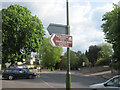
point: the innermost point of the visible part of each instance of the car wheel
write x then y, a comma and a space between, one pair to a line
10, 77
94, 89
30, 77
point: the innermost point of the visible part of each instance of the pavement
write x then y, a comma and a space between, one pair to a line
104, 74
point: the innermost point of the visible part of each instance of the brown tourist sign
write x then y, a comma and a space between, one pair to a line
61, 40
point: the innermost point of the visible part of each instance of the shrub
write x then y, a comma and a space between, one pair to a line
115, 65
102, 62
31, 68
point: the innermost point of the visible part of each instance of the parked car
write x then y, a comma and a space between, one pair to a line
13, 73
111, 84
19, 66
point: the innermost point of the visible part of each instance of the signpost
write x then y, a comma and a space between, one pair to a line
61, 40
119, 3
57, 28
68, 75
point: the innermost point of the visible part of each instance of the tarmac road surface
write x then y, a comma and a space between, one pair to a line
53, 80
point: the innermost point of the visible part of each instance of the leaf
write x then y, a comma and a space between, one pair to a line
19, 32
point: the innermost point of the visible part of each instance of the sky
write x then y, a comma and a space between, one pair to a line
85, 18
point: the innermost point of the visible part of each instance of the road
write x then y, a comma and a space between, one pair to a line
53, 80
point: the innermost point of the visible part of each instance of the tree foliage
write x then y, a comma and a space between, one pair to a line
21, 33
111, 29
0, 37
81, 58
0, 47
73, 60
50, 55
93, 54
106, 51
76, 59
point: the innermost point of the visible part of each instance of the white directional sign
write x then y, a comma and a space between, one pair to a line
57, 28
61, 40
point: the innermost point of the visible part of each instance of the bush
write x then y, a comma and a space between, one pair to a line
3, 66
51, 69
31, 68
115, 65
35, 67
102, 62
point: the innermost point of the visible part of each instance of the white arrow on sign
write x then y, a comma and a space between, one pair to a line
51, 40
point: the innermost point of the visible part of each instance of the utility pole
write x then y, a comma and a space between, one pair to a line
68, 75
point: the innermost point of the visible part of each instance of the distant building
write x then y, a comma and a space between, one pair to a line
32, 60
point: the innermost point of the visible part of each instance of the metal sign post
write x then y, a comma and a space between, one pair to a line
63, 41
68, 75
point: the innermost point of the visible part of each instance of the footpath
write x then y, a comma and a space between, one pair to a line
105, 74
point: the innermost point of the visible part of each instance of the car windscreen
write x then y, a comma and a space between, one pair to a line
11, 67
8, 70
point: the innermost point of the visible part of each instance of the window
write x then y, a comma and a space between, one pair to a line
113, 82
16, 71
21, 71
8, 71
119, 82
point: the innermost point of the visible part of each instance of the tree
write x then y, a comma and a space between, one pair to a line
0, 37
50, 55
93, 54
73, 60
22, 33
0, 47
106, 50
81, 58
112, 31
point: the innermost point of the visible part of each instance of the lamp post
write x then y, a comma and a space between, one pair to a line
68, 75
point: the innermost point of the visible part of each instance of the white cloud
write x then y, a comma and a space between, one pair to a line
77, 12
119, 3
85, 18
86, 25
50, 11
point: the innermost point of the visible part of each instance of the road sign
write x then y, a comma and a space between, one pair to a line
61, 40
57, 28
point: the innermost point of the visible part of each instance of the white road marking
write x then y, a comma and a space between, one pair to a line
47, 84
